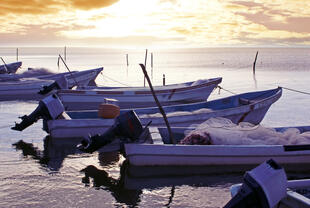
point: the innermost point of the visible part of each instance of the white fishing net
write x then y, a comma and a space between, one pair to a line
223, 131
177, 113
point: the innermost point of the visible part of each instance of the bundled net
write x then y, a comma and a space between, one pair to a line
219, 131
177, 113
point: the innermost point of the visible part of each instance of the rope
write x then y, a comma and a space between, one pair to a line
221, 88
306, 93
114, 80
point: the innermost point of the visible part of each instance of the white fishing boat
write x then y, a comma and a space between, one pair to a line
40, 73
267, 186
297, 195
29, 88
250, 107
139, 97
10, 68
163, 153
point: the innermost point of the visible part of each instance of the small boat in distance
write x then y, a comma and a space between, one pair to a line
138, 97
10, 68
29, 88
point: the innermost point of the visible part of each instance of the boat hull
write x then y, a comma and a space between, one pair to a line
10, 68
160, 153
138, 97
193, 155
28, 88
80, 125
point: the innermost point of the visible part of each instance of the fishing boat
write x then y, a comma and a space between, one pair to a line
161, 152
267, 186
29, 88
297, 194
40, 73
250, 107
10, 68
139, 97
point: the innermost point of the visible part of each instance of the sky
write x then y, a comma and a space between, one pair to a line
155, 23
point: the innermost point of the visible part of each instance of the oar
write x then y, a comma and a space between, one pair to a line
172, 140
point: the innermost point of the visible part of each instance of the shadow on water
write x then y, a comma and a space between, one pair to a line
56, 150
132, 180
128, 187
102, 180
54, 153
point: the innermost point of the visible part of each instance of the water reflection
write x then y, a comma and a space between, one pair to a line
128, 188
255, 81
54, 153
101, 179
108, 158
29, 150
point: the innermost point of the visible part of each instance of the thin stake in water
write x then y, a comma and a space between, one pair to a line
172, 140
255, 62
152, 66
127, 62
16, 54
65, 53
145, 65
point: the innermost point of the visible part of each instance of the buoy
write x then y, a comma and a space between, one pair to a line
107, 110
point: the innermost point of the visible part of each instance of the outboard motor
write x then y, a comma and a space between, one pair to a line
61, 83
263, 187
126, 125
48, 108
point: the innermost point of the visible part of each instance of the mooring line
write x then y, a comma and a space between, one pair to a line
302, 92
114, 80
221, 88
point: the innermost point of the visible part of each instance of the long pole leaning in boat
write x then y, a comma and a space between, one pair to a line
77, 84
5, 66
172, 140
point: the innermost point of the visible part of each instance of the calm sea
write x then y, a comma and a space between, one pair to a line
49, 174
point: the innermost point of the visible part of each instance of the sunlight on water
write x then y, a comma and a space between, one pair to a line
48, 173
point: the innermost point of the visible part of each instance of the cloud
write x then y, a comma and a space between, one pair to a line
273, 16
137, 22
273, 41
35, 7
28, 7
91, 4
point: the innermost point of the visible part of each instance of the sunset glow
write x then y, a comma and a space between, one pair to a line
155, 23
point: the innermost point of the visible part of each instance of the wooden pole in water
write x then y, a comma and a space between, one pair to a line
127, 62
16, 54
172, 140
145, 65
255, 62
152, 66
164, 80
65, 53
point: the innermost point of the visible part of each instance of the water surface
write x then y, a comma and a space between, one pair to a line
45, 172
